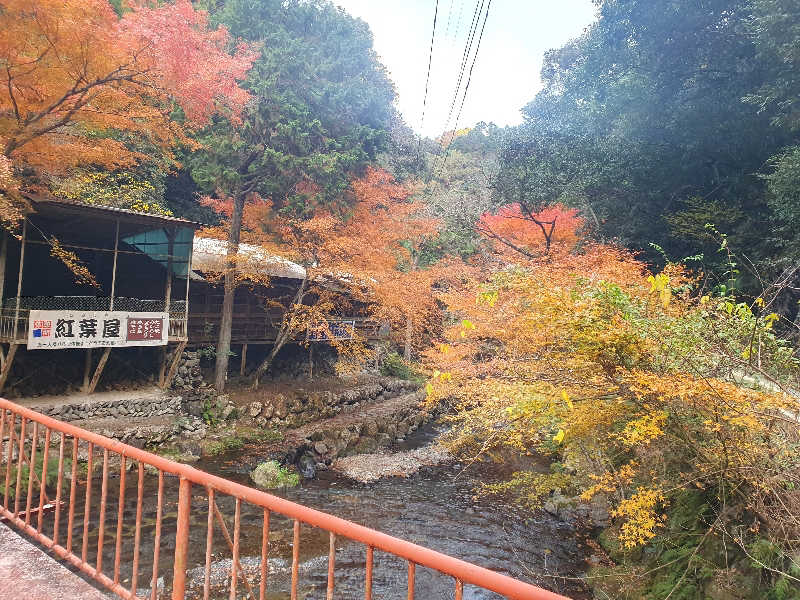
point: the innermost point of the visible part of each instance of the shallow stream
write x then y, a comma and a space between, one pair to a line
435, 508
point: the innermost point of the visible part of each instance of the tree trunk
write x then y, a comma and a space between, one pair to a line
409, 337
284, 333
226, 322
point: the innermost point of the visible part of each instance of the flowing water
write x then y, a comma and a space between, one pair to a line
435, 508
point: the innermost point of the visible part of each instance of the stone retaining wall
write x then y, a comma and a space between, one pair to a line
284, 412
370, 435
188, 375
119, 408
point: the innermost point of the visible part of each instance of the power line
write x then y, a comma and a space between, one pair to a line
465, 57
458, 21
449, 18
430, 61
466, 87
474, 59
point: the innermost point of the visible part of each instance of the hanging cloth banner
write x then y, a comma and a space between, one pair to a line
59, 329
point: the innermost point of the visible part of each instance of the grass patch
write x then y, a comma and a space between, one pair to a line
174, 454
395, 365
51, 477
255, 434
221, 446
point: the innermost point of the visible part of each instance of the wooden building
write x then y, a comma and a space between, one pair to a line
257, 310
141, 267
149, 271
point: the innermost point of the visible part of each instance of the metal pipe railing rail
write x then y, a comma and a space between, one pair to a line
21, 432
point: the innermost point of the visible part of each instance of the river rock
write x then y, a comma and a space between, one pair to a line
281, 407
320, 448
266, 474
366, 445
307, 466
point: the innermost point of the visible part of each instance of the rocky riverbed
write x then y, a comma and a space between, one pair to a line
367, 468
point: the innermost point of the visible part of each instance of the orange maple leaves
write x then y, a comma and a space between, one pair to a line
78, 79
374, 249
512, 229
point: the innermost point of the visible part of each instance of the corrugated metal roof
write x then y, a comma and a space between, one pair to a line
110, 210
209, 257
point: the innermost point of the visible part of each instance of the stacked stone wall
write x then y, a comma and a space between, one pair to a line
282, 412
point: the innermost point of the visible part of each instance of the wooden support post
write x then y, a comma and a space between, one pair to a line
114, 268
242, 367
168, 285
12, 350
19, 278
98, 371
188, 278
176, 358
3, 260
87, 370
162, 370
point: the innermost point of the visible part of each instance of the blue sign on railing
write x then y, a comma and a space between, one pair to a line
326, 331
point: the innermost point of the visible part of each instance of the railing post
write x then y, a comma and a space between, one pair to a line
182, 540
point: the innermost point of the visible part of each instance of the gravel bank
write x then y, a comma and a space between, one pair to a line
367, 468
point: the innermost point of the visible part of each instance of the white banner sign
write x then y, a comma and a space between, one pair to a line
58, 329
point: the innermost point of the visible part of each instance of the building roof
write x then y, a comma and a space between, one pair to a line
60, 206
209, 256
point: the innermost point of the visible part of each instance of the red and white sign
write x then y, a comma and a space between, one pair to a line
59, 329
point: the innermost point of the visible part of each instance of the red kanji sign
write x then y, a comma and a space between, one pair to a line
140, 330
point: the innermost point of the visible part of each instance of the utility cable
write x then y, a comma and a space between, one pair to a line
430, 61
465, 58
466, 87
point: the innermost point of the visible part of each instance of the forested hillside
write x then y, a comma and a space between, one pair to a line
665, 117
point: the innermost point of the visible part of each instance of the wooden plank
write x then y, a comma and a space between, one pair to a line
162, 371
12, 351
15, 332
3, 260
99, 371
168, 283
87, 370
176, 358
114, 268
243, 366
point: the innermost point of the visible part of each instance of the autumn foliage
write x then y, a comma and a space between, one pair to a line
364, 258
649, 398
512, 230
78, 79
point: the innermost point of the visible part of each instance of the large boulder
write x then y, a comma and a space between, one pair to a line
307, 465
270, 475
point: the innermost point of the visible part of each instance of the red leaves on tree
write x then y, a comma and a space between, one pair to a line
78, 79
188, 59
513, 229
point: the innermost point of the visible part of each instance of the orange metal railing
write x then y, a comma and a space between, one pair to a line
28, 438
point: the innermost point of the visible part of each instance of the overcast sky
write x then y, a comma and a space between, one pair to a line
506, 75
